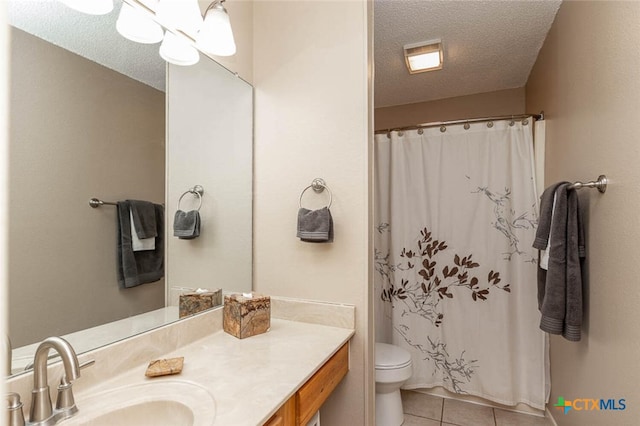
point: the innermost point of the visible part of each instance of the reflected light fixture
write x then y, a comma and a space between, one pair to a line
92, 7
423, 56
134, 25
177, 50
216, 36
142, 21
183, 15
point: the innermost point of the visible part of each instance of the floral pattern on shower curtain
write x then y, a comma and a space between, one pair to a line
455, 281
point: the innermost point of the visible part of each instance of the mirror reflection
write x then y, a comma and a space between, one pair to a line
83, 128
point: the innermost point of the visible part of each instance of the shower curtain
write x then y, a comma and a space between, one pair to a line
456, 212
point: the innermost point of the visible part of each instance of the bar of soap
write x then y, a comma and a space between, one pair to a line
165, 367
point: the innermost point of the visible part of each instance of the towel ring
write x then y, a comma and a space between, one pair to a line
196, 190
318, 185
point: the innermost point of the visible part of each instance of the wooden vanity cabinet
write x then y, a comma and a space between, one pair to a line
301, 407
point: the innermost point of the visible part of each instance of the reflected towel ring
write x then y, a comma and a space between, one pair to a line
196, 190
318, 186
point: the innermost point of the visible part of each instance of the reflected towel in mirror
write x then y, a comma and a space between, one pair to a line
144, 218
186, 225
140, 267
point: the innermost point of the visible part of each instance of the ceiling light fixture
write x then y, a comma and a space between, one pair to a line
216, 36
424, 56
94, 7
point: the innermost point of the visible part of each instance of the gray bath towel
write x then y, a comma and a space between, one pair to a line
560, 287
144, 218
140, 267
546, 211
186, 225
315, 226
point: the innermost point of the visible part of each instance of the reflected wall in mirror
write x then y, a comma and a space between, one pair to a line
80, 130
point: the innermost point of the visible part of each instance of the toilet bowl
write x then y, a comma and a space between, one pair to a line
393, 368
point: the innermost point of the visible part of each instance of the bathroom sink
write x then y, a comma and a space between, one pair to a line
155, 402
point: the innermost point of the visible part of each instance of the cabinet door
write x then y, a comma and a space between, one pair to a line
285, 416
318, 388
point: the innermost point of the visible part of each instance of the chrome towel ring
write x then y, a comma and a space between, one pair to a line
197, 190
318, 185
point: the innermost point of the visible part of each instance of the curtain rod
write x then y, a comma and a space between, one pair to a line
469, 120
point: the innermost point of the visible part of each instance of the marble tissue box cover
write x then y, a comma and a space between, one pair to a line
246, 316
194, 302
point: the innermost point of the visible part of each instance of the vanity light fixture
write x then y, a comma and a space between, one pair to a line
178, 51
134, 25
93, 7
183, 15
185, 19
424, 56
142, 21
216, 36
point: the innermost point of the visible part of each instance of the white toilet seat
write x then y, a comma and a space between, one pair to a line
390, 357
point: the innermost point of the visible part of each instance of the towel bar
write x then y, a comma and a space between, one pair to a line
95, 203
600, 184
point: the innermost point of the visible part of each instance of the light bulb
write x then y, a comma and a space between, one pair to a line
216, 36
136, 26
183, 15
177, 50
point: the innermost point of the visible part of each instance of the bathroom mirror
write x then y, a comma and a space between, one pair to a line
120, 125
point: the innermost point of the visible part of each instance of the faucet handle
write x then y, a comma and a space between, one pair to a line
65, 400
16, 416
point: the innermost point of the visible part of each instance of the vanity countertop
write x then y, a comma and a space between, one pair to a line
249, 378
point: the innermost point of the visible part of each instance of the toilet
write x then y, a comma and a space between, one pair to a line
393, 368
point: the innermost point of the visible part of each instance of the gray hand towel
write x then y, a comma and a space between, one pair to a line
140, 267
186, 225
560, 287
144, 218
315, 226
546, 212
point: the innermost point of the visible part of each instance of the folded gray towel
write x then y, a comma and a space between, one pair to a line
546, 212
560, 287
144, 218
315, 226
140, 267
186, 225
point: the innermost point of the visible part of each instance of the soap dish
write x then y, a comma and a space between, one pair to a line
165, 367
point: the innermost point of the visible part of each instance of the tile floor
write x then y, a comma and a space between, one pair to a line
427, 410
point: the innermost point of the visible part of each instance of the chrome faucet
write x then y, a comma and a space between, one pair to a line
41, 412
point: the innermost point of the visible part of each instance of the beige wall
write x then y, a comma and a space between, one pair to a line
501, 102
78, 130
312, 120
587, 81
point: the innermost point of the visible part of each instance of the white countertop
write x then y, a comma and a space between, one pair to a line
249, 378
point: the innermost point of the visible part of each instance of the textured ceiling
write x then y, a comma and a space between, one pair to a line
488, 45
94, 37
